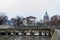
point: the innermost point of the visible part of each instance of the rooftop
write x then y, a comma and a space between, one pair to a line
31, 17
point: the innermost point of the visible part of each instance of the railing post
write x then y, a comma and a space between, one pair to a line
39, 33
31, 33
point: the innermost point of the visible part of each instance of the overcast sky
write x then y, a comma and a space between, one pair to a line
25, 8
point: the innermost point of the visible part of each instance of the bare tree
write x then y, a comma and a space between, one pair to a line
17, 20
3, 18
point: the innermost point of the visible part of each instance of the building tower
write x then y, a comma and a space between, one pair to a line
46, 17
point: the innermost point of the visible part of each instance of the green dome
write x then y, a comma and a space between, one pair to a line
46, 16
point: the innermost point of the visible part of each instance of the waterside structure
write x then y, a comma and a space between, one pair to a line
27, 27
6, 30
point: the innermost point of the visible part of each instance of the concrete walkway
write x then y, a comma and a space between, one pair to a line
56, 35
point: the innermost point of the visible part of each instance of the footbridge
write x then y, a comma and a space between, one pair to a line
6, 30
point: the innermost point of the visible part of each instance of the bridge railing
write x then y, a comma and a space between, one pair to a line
5, 26
25, 27
32, 27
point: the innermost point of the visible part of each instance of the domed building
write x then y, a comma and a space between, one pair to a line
46, 17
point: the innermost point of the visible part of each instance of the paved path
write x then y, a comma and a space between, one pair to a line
56, 35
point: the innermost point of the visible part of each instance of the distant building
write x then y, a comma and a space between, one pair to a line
46, 17
9, 22
55, 17
31, 20
24, 21
55, 20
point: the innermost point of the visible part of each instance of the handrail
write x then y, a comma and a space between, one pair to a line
25, 27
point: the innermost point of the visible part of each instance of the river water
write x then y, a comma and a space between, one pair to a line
24, 38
